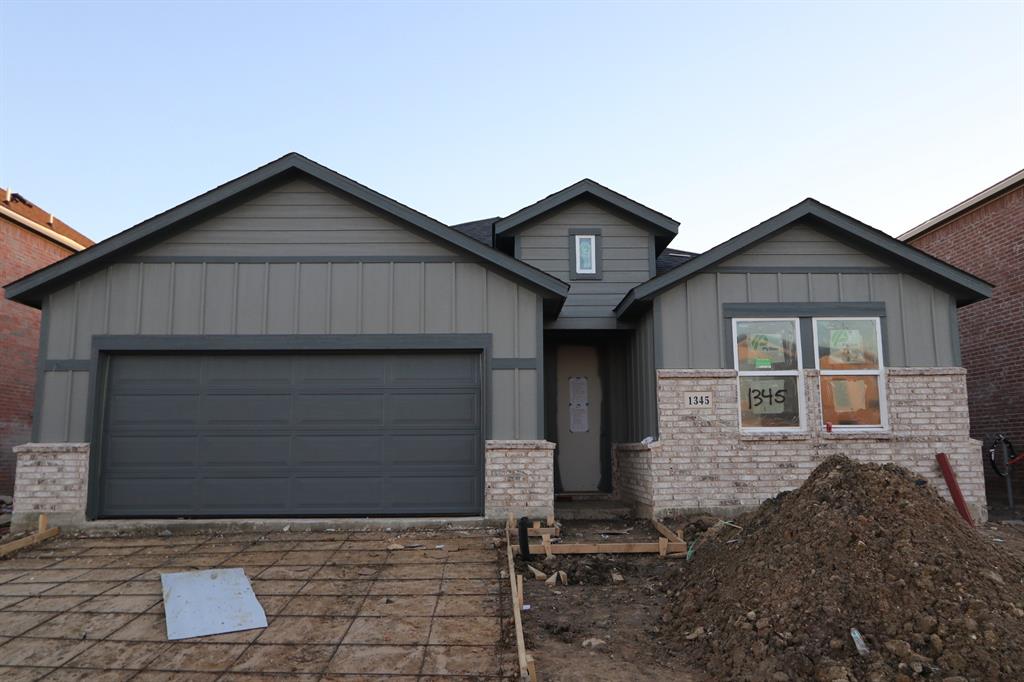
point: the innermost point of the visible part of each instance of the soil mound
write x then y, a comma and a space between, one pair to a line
857, 546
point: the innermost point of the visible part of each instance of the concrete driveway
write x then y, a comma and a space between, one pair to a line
341, 605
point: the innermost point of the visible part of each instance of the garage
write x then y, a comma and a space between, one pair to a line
290, 434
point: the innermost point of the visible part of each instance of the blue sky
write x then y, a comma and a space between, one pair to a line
718, 114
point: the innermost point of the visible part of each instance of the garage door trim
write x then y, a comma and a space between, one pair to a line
105, 346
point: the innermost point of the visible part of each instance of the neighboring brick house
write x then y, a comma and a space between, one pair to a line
295, 344
30, 238
985, 236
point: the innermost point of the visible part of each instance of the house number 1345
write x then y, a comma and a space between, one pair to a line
697, 399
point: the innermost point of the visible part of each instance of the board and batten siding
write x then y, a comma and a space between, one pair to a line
792, 267
634, 413
172, 288
626, 252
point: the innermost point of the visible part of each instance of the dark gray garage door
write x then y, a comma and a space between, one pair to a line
292, 435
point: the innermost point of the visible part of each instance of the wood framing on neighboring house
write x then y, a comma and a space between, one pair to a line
293, 343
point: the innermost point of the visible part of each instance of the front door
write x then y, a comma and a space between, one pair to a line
579, 418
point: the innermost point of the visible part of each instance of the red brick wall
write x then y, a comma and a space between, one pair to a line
21, 252
989, 242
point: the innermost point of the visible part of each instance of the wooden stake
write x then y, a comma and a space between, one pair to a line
531, 668
663, 546
551, 519
546, 544
517, 615
42, 523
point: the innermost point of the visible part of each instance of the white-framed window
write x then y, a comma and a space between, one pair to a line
848, 354
766, 352
586, 254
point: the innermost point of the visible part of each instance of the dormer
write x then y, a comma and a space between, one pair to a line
599, 241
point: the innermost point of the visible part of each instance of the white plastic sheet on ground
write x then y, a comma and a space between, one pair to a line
199, 603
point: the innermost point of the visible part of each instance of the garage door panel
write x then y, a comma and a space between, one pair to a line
253, 410
324, 495
148, 452
340, 410
434, 411
292, 434
254, 371
148, 496
245, 451
425, 493
432, 450
252, 495
338, 450
165, 369
162, 412
442, 370
341, 371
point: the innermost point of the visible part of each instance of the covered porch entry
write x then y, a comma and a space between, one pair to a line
596, 388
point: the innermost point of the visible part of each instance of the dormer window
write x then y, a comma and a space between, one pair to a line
585, 257
585, 246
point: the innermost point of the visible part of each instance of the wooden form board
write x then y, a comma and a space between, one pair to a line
43, 533
610, 548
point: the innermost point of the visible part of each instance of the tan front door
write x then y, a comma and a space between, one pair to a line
579, 418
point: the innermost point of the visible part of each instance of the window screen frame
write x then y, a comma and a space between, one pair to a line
797, 373
878, 372
575, 235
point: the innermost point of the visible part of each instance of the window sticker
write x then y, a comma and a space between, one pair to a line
846, 346
586, 254
579, 405
767, 348
849, 395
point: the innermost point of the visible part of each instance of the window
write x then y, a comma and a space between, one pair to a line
767, 356
586, 254
848, 352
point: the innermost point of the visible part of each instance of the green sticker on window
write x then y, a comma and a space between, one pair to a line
762, 363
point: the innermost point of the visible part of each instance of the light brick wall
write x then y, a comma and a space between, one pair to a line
519, 478
633, 478
52, 478
703, 461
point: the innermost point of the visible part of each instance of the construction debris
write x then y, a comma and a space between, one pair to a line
861, 546
200, 603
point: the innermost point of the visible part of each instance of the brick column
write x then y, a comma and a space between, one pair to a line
52, 478
519, 478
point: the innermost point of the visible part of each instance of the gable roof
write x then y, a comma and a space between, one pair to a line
662, 225
984, 196
966, 287
31, 288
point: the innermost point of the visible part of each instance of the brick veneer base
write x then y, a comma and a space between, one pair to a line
52, 478
519, 478
703, 462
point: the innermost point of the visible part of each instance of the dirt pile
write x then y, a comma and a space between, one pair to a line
857, 546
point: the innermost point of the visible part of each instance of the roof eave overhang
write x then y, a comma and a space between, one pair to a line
31, 289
